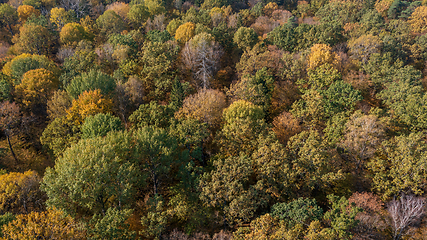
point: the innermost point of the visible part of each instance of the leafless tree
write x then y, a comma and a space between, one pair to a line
406, 211
201, 54
10, 116
80, 7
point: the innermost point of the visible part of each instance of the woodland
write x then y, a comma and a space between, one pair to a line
215, 119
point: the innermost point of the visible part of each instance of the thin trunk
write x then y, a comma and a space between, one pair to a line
11, 149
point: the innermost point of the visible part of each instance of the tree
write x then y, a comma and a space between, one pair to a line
92, 176
58, 104
154, 153
285, 126
111, 226
88, 103
48, 224
159, 68
312, 165
151, 114
205, 106
36, 87
155, 7
120, 8
342, 217
244, 123
418, 20
25, 11
245, 38
185, 32
60, 17
10, 116
300, 211
60, 134
321, 54
256, 89
71, 34
225, 188
20, 193
283, 37
109, 22
8, 17
99, 125
202, 54
21, 64
91, 81
34, 39
404, 212
138, 14
400, 166
79, 7
363, 47
362, 136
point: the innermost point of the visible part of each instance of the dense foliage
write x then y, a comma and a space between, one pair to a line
213, 119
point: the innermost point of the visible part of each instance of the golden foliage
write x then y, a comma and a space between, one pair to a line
19, 192
50, 224
89, 103
36, 86
71, 34
382, 6
25, 11
321, 54
418, 20
185, 32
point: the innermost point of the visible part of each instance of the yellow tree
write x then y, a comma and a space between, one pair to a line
59, 17
20, 193
185, 32
36, 86
321, 54
25, 11
50, 224
418, 20
71, 34
89, 103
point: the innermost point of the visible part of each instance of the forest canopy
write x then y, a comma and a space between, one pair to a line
213, 119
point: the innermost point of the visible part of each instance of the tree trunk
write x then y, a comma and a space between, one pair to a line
11, 149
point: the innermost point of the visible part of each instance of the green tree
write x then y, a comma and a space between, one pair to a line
159, 69
154, 153
299, 211
151, 114
256, 89
99, 125
138, 14
109, 22
399, 166
342, 217
245, 38
35, 39
111, 225
59, 135
8, 17
92, 80
25, 62
313, 166
90, 177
